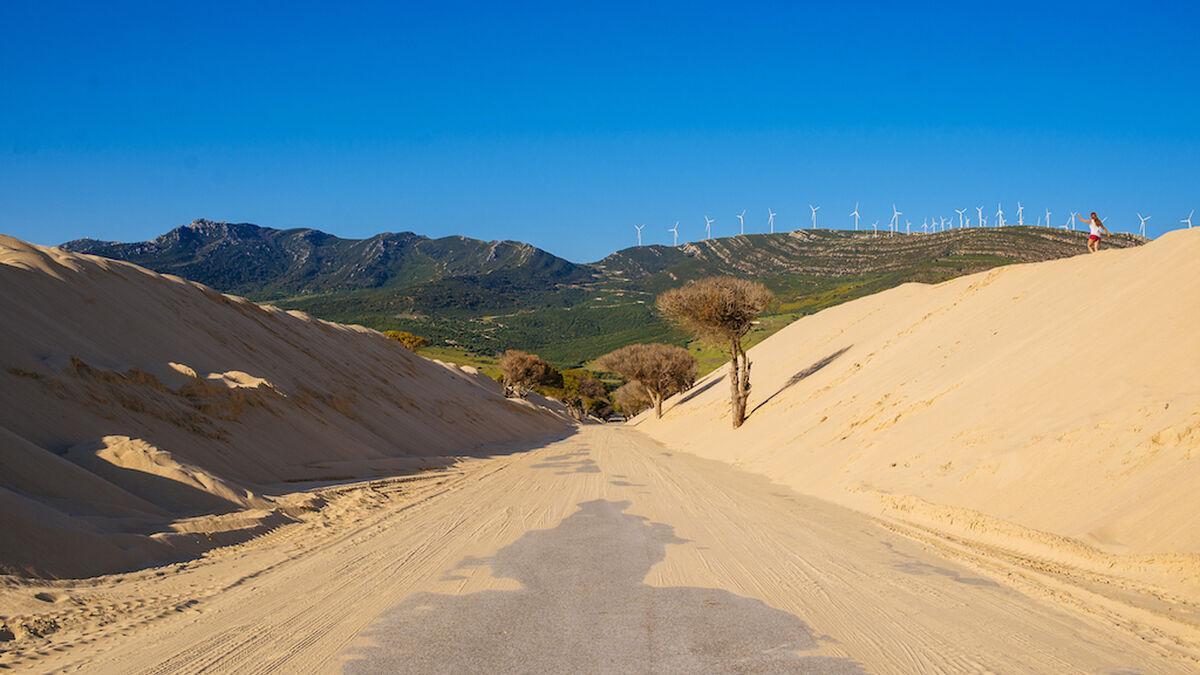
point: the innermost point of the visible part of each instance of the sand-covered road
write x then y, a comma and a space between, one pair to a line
601, 552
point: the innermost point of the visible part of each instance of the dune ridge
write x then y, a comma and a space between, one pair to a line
132, 401
1049, 409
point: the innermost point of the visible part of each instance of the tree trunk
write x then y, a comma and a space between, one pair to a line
739, 382
658, 399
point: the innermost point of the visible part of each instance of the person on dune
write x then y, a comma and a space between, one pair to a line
1097, 226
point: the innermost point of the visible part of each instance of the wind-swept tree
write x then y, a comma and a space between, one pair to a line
660, 369
523, 371
721, 310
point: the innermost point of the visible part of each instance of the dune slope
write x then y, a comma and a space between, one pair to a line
1054, 403
133, 404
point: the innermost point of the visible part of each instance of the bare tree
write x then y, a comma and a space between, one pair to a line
721, 310
523, 371
661, 369
631, 398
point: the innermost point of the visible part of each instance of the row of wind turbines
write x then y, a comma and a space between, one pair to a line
935, 224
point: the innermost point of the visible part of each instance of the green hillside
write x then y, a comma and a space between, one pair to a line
473, 299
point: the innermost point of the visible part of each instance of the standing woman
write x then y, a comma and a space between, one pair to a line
1096, 227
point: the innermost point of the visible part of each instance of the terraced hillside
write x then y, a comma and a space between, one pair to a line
477, 298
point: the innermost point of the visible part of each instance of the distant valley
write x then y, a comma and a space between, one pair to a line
473, 298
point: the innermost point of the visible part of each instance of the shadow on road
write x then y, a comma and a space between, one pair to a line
583, 607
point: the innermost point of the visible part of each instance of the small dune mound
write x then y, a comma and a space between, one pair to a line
155, 476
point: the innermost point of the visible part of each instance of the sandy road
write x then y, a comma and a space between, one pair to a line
603, 552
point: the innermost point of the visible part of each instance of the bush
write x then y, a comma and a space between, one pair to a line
661, 370
408, 340
631, 398
583, 394
522, 371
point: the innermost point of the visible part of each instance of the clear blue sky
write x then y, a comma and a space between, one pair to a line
564, 123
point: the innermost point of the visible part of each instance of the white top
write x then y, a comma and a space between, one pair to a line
1095, 228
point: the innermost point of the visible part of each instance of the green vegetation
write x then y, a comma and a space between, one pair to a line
473, 300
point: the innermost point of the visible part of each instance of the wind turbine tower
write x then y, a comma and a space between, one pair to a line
907, 226
875, 229
639, 230
814, 210
742, 221
1144, 220
855, 214
771, 220
896, 213
999, 215
1047, 217
708, 222
979, 212
960, 213
1020, 213
675, 231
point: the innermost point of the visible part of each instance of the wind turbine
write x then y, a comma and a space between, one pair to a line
708, 222
875, 229
675, 231
907, 226
1071, 221
1188, 221
960, 213
771, 220
925, 225
639, 229
982, 221
814, 210
1020, 213
742, 221
1144, 219
943, 223
896, 218
999, 215
1047, 217
855, 214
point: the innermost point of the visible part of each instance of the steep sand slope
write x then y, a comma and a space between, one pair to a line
133, 404
1025, 404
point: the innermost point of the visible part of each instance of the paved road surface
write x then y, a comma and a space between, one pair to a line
603, 552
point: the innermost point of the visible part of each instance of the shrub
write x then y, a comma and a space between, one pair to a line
523, 371
631, 398
583, 393
661, 370
406, 339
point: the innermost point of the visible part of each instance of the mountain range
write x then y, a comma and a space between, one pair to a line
482, 297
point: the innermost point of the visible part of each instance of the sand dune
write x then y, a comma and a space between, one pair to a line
1050, 409
131, 400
